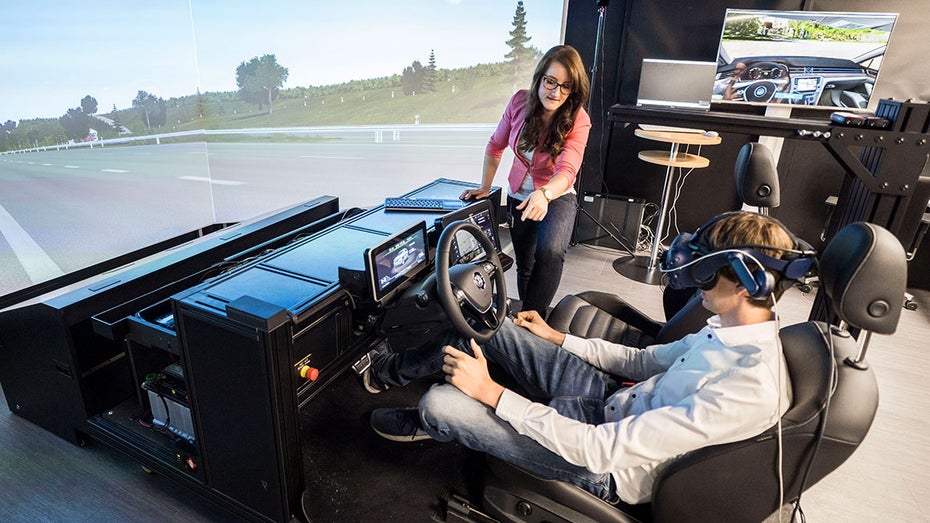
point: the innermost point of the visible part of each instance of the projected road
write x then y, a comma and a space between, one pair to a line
64, 210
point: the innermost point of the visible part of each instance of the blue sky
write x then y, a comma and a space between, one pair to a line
56, 52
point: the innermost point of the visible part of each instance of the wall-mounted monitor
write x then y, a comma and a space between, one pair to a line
801, 58
396, 261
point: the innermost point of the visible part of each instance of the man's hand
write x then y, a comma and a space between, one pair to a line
471, 375
533, 322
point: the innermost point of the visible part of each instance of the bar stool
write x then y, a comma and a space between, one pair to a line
641, 268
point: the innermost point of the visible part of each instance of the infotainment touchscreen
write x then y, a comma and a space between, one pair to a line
397, 260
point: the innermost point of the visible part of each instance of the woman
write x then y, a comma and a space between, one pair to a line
547, 128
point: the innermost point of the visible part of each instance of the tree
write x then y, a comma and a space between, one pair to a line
412, 78
33, 135
159, 116
145, 103
520, 56
244, 73
89, 105
75, 123
429, 74
154, 109
6, 129
260, 79
742, 29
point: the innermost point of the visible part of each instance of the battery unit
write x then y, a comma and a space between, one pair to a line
168, 413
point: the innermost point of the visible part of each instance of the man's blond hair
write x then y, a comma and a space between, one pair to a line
756, 231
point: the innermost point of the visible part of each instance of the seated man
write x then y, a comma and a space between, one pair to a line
722, 384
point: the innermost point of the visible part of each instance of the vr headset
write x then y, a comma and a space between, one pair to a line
692, 262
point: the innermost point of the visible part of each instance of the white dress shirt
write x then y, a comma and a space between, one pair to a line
720, 385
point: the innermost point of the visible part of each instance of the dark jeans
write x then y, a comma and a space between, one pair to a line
539, 250
546, 372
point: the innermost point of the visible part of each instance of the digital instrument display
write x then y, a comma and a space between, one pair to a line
465, 247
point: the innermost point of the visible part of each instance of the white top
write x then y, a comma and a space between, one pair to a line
719, 385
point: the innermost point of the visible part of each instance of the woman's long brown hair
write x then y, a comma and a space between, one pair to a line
564, 118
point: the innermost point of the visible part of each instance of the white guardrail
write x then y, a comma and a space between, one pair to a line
378, 133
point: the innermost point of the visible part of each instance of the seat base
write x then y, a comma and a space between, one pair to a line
637, 268
514, 495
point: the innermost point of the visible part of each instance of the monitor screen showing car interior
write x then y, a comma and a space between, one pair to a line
804, 58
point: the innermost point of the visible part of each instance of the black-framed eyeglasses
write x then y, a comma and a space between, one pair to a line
549, 83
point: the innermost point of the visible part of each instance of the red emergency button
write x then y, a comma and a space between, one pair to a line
310, 373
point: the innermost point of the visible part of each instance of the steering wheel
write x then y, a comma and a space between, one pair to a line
466, 289
760, 91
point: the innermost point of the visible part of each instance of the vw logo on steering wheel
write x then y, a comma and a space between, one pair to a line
479, 281
760, 91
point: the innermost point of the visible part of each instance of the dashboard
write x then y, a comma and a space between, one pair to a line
809, 81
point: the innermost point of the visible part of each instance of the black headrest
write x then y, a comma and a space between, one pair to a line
864, 272
756, 176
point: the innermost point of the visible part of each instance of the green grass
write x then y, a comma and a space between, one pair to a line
475, 99
482, 101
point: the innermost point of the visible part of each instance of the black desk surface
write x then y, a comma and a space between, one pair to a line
296, 275
802, 128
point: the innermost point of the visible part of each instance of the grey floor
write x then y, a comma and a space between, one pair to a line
43, 478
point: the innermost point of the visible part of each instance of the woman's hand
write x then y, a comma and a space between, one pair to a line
470, 374
535, 207
475, 194
533, 322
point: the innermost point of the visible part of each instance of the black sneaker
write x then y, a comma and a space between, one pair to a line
398, 424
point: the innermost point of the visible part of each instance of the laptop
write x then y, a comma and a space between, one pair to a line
675, 84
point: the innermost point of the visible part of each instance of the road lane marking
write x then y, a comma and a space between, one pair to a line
117, 171
210, 180
334, 157
71, 167
36, 262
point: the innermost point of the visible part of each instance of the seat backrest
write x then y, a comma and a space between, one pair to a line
860, 271
757, 177
594, 314
745, 484
690, 318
